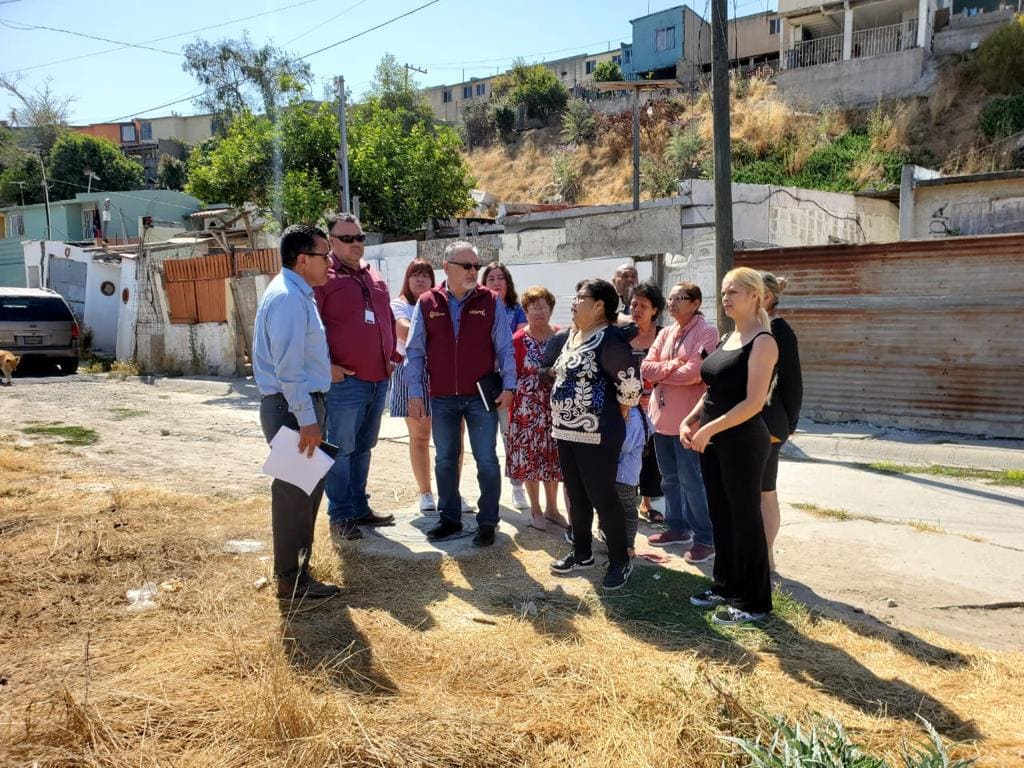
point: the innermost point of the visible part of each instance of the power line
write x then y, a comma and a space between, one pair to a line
30, 27
122, 46
371, 29
324, 22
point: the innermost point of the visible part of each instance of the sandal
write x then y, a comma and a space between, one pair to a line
654, 517
557, 519
538, 521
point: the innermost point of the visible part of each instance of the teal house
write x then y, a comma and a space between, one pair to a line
674, 42
117, 215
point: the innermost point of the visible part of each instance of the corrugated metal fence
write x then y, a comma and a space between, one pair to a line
918, 334
196, 291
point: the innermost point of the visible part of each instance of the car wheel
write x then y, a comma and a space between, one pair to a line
68, 366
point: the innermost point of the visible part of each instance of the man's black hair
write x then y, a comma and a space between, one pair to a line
298, 238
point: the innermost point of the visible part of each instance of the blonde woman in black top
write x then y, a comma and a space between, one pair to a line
734, 445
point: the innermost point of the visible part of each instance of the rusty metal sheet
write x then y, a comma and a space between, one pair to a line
919, 334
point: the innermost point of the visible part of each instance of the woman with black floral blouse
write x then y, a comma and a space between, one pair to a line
596, 383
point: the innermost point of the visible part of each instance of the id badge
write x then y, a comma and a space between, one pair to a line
369, 317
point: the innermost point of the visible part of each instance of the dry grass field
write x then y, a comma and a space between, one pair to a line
482, 661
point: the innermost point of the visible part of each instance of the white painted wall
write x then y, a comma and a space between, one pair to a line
204, 348
101, 312
128, 316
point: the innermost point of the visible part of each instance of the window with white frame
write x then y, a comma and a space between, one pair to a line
467, 91
774, 26
617, 59
446, 96
591, 65
481, 89
665, 38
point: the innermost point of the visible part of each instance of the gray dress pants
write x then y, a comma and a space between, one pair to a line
292, 512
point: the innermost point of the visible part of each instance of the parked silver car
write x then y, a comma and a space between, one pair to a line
38, 323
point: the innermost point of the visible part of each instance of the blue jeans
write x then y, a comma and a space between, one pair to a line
447, 414
354, 409
686, 504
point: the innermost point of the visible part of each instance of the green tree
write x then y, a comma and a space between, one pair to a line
240, 167
403, 177
22, 182
240, 77
1000, 58
534, 86
607, 71
170, 173
75, 153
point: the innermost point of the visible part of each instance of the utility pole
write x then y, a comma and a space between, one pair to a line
636, 148
414, 69
339, 84
46, 194
722, 148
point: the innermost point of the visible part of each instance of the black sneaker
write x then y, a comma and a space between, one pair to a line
372, 518
571, 563
443, 530
707, 599
484, 536
617, 575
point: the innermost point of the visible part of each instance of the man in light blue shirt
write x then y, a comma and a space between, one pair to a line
293, 371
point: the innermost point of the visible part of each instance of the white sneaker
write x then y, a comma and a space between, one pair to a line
466, 506
519, 500
427, 503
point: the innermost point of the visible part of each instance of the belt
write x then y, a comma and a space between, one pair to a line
313, 395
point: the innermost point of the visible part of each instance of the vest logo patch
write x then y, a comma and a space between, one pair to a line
436, 314
480, 312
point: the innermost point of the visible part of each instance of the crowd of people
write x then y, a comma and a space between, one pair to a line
623, 407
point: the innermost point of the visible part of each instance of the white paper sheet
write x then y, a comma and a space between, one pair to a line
286, 463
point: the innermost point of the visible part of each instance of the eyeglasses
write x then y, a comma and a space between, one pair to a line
349, 239
672, 299
467, 267
578, 299
324, 256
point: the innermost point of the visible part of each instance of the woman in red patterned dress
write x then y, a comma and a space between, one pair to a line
532, 451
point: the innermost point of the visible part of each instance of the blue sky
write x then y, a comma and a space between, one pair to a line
450, 39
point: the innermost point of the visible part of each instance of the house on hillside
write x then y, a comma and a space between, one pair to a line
120, 217
146, 141
852, 53
673, 43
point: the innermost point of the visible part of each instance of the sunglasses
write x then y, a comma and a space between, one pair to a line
349, 239
467, 267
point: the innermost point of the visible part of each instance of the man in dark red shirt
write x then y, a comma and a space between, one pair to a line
356, 310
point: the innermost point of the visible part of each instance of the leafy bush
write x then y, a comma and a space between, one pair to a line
828, 744
578, 123
503, 117
683, 151
1003, 116
536, 87
1000, 58
607, 71
170, 174
567, 177
657, 177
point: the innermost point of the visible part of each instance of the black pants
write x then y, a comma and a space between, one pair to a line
650, 474
589, 475
292, 512
732, 466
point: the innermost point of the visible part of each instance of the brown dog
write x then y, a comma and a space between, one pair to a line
8, 362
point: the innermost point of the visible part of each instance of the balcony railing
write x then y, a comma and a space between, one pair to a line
879, 41
811, 53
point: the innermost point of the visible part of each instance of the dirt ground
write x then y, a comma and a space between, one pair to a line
203, 436
471, 659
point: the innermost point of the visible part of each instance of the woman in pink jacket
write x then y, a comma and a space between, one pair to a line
673, 365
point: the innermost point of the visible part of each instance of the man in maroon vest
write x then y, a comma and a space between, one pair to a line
459, 334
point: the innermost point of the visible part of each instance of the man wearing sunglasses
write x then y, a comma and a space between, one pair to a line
293, 371
459, 333
356, 309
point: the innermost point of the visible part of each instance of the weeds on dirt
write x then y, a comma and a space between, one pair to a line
68, 434
1008, 477
398, 671
919, 525
120, 414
